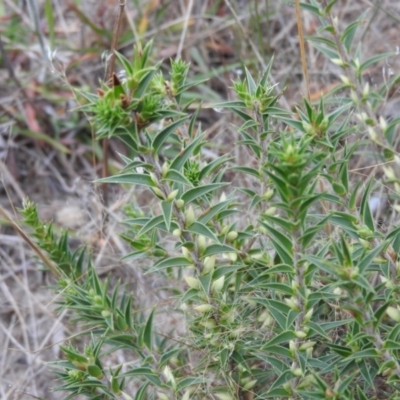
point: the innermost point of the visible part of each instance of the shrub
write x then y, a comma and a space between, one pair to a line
287, 285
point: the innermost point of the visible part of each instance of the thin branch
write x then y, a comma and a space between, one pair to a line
32, 245
114, 45
302, 48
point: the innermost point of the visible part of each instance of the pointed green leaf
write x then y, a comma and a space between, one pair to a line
191, 84
248, 171
251, 85
125, 63
365, 210
218, 249
144, 82
367, 353
242, 114
212, 166
318, 330
205, 282
220, 271
375, 59
212, 211
312, 9
279, 237
151, 224
170, 262
347, 36
327, 52
148, 373
166, 207
141, 393
136, 179
193, 194
278, 287
186, 382
175, 176
184, 155
167, 355
230, 104
282, 222
201, 229
283, 337
148, 330
367, 259
163, 135
322, 264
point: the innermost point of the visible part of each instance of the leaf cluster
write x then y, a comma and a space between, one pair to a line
292, 292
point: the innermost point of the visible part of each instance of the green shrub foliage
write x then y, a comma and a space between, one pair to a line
287, 286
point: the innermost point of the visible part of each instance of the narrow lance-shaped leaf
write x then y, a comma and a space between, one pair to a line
148, 330
367, 259
152, 223
170, 262
163, 135
136, 179
212, 166
212, 211
365, 209
282, 239
195, 193
218, 249
375, 59
347, 36
201, 229
251, 85
175, 176
183, 156
281, 338
141, 393
144, 82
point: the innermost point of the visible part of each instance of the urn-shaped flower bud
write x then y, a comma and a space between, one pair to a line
179, 203
189, 217
231, 236
232, 256
172, 195
192, 282
186, 254
218, 284
224, 396
307, 345
201, 244
208, 323
209, 264
153, 178
270, 211
268, 194
203, 308
300, 334
250, 385
297, 372
177, 232
164, 170
308, 316
393, 313
365, 90
95, 371
158, 192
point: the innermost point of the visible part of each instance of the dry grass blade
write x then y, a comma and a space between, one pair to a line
302, 48
111, 67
